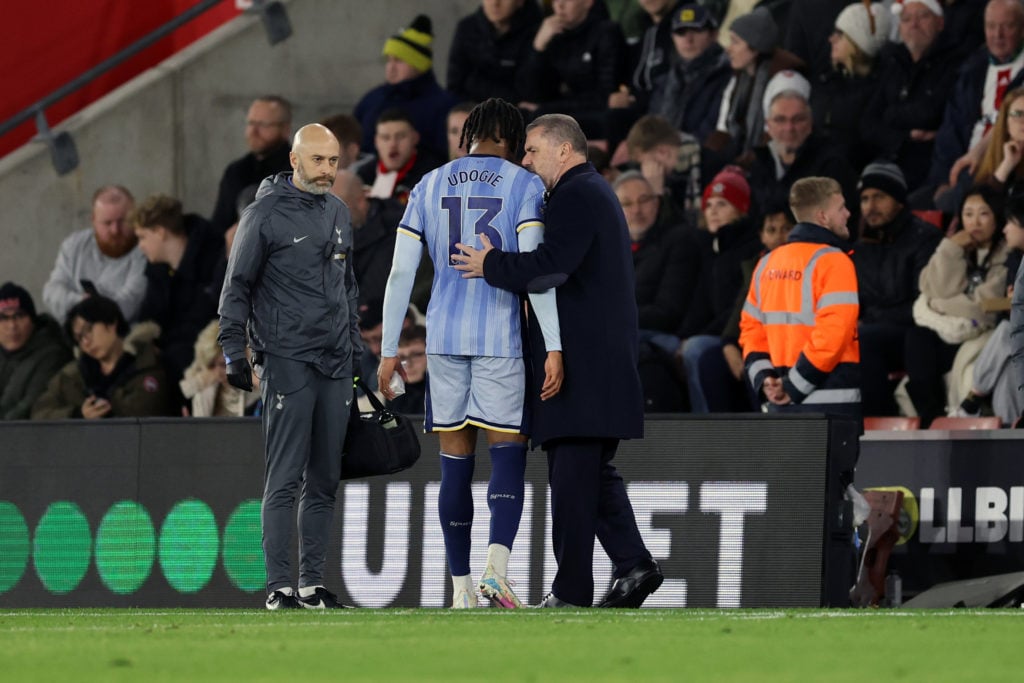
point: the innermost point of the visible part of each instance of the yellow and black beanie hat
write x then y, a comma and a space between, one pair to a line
412, 45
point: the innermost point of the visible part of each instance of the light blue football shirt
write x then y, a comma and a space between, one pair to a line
477, 194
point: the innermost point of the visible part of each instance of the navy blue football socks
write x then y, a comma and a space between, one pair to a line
455, 508
505, 491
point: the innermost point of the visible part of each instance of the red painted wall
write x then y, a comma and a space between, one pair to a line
48, 44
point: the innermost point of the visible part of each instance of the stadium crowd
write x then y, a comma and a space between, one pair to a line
701, 116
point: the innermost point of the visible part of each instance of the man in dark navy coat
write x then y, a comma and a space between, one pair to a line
586, 254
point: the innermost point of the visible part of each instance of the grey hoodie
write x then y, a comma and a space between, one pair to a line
290, 279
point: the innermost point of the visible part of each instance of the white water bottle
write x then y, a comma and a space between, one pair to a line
397, 385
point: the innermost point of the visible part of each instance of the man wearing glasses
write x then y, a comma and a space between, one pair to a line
268, 127
794, 151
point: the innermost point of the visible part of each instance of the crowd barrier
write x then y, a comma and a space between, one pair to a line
741, 511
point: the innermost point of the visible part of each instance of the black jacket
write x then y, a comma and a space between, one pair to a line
810, 25
818, 157
374, 249
721, 276
586, 253
239, 175
183, 301
483, 64
910, 95
839, 101
889, 264
692, 93
666, 264
422, 98
577, 70
653, 61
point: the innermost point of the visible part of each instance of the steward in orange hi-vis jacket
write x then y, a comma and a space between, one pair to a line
798, 329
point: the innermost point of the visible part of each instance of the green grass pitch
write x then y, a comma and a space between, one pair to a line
760, 646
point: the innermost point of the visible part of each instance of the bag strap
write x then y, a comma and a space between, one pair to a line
372, 397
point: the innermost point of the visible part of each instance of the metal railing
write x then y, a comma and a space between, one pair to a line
62, 147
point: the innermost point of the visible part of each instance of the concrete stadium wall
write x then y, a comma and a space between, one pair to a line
175, 127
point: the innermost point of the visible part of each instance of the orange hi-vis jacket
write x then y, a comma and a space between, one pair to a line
799, 322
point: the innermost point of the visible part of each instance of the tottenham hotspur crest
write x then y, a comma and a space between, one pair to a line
280, 401
337, 231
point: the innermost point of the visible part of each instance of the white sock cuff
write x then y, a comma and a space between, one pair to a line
497, 558
463, 583
306, 591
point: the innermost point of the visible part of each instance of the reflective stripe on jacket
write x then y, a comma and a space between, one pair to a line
799, 322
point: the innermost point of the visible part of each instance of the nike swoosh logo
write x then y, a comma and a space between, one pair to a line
296, 240
348, 402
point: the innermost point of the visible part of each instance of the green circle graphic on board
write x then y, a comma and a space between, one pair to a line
13, 545
125, 547
243, 547
63, 544
188, 545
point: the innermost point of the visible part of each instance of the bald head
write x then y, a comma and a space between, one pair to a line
314, 158
349, 188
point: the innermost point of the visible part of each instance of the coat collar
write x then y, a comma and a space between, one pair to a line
577, 170
811, 232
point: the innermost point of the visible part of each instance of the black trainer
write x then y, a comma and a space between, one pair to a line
281, 600
321, 599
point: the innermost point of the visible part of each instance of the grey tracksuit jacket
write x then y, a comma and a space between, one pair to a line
290, 280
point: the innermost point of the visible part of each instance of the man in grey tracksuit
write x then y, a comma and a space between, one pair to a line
290, 280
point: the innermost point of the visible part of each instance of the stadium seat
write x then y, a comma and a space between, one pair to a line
932, 216
891, 424
951, 423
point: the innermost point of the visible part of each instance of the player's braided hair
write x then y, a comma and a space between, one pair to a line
495, 119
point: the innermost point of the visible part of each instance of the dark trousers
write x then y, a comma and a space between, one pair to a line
305, 418
588, 499
881, 353
928, 358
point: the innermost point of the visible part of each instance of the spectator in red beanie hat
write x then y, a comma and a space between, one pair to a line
731, 185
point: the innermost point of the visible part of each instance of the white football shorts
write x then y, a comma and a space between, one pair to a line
484, 391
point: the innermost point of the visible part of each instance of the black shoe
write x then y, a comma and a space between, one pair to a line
552, 601
632, 589
282, 600
321, 599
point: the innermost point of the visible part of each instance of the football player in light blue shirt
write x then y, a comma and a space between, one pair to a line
476, 375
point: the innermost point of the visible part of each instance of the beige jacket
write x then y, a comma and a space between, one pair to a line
944, 282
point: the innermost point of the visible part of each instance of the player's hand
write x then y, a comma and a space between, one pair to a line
388, 366
240, 374
471, 261
553, 375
